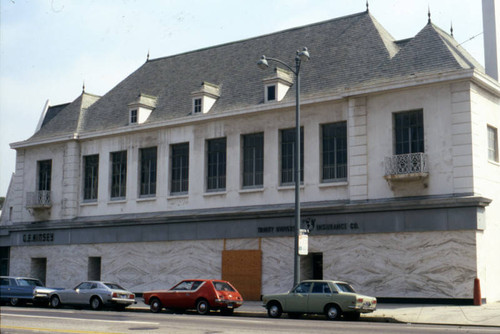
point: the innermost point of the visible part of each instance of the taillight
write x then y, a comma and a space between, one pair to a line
115, 295
132, 296
360, 300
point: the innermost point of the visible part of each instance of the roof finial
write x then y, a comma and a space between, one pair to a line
429, 13
367, 6
83, 87
451, 28
147, 56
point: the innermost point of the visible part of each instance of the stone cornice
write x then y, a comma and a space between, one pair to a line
254, 212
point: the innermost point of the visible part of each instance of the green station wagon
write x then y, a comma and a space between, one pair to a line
331, 298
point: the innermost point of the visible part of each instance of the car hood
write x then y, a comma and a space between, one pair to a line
42, 289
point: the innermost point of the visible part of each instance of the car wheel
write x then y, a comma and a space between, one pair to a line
274, 310
155, 305
14, 302
227, 311
95, 303
55, 302
332, 312
202, 307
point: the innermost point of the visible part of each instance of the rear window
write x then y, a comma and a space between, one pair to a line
29, 282
345, 287
222, 286
113, 286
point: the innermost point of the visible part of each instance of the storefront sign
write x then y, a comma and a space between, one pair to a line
38, 237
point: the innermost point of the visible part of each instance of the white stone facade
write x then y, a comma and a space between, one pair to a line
422, 237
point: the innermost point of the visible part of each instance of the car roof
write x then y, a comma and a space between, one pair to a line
323, 280
20, 277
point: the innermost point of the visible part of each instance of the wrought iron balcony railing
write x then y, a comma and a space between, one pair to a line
401, 165
38, 199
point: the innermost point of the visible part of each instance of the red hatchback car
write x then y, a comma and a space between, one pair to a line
202, 295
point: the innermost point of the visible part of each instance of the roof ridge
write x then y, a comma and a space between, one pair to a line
260, 36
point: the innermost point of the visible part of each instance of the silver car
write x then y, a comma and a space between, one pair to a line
95, 294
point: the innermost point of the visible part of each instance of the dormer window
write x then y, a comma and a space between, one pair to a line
133, 116
205, 98
197, 103
141, 108
271, 93
277, 86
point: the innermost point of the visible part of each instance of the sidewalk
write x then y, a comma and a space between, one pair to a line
485, 315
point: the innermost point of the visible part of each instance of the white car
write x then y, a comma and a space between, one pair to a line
94, 294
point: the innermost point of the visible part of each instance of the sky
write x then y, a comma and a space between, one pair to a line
49, 49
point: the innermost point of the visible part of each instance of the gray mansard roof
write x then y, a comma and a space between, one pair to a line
346, 52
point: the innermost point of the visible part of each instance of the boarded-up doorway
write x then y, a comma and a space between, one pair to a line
243, 268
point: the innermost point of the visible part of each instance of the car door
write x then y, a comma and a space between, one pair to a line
6, 288
321, 294
296, 300
81, 294
179, 295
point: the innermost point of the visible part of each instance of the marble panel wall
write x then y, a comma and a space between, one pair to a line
411, 265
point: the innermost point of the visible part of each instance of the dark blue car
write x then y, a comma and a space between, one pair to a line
19, 290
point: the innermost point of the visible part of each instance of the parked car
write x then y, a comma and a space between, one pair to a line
20, 290
201, 295
331, 298
94, 294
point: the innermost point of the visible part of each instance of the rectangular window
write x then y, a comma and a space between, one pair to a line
334, 153
133, 116
148, 171
253, 160
492, 144
90, 179
288, 156
179, 182
271, 93
44, 175
409, 132
118, 174
197, 105
216, 164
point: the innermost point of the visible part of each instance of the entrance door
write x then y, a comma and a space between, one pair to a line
39, 268
311, 266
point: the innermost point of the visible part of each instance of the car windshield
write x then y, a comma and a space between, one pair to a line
222, 286
344, 287
113, 286
303, 287
29, 282
187, 285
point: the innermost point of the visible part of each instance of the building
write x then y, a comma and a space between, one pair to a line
184, 169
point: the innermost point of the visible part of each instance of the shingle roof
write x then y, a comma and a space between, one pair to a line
345, 52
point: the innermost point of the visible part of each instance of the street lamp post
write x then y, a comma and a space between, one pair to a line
263, 64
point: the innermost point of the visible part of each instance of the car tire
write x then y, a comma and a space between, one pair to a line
95, 303
155, 305
55, 302
333, 312
202, 307
15, 302
274, 310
